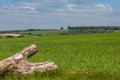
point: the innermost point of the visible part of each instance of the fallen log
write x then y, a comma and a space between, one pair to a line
18, 63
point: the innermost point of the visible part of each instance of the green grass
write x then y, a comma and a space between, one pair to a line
79, 57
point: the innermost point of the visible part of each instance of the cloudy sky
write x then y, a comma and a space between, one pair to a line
42, 14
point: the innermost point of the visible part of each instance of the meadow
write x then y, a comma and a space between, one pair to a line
79, 57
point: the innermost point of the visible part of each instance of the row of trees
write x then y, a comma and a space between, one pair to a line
93, 29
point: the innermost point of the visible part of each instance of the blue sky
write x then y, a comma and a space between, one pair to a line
46, 14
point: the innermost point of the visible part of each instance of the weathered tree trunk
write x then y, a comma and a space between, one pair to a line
18, 63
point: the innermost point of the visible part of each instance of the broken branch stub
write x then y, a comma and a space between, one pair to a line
18, 63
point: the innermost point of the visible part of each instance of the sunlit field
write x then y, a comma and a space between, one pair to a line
79, 57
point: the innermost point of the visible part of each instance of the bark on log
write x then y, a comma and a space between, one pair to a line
18, 63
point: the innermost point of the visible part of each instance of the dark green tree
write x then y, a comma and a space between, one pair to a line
61, 28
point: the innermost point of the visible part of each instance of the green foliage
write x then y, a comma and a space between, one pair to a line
9, 36
61, 28
79, 57
92, 29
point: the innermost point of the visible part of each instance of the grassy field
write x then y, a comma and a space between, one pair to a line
79, 57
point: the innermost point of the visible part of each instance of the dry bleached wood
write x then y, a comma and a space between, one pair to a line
18, 63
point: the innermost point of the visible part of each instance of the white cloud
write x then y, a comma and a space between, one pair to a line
103, 7
74, 9
26, 5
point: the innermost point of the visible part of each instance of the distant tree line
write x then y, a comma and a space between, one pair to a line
9, 31
92, 29
71, 30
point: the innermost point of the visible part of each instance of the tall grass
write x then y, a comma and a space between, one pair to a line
79, 57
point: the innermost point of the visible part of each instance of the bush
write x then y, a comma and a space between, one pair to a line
9, 36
